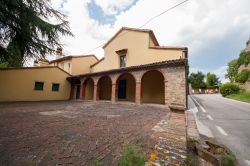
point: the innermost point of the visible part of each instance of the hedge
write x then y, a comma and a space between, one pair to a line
229, 88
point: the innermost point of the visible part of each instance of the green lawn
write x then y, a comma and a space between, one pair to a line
243, 96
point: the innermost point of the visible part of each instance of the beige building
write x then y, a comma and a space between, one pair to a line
134, 68
74, 64
34, 84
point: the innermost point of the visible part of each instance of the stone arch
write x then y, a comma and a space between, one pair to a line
125, 87
88, 89
104, 88
153, 87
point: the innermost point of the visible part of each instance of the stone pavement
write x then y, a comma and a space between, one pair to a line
80, 133
171, 146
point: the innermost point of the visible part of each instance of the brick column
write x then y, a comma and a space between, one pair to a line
95, 93
166, 93
138, 92
113, 93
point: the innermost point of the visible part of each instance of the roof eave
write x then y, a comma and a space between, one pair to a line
178, 62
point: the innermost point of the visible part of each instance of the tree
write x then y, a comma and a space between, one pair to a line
243, 76
212, 80
232, 70
26, 29
244, 58
197, 80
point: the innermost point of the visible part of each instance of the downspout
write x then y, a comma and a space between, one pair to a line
186, 75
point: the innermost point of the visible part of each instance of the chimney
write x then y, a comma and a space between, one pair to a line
59, 53
36, 63
42, 54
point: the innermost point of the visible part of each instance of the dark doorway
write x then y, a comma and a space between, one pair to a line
78, 86
122, 86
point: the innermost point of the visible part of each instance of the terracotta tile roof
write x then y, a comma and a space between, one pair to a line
177, 62
31, 68
72, 56
169, 48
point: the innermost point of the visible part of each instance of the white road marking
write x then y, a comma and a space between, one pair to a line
221, 130
203, 110
247, 162
210, 117
203, 130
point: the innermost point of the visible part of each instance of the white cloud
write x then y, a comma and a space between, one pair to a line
112, 7
213, 30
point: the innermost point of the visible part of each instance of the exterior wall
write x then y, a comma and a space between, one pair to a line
66, 66
78, 65
138, 52
42, 63
81, 65
89, 89
18, 84
175, 85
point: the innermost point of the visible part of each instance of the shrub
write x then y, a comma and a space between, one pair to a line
244, 58
243, 76
228, 160
229, 88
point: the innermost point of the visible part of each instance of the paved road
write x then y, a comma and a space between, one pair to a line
228, 121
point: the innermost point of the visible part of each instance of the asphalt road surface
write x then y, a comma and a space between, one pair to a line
225, 120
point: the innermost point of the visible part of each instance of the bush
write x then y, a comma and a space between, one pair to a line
243, 76
229, 88
228, 160
244, 58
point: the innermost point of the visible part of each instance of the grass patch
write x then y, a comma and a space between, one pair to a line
132, 156
242, 96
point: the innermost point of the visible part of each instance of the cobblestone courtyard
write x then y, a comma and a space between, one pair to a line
54, 133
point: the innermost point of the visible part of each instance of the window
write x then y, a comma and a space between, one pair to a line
62, 65
122, 56
38, 86
123, 61
55, 86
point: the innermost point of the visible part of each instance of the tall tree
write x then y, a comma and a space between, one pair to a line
232, 70
212, 80
197, 80
25, 29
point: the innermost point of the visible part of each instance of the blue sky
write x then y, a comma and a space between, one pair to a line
214, 31
97, 13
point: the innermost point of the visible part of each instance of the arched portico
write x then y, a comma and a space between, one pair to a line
152, 87
104, 88
88, 91
125, 87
